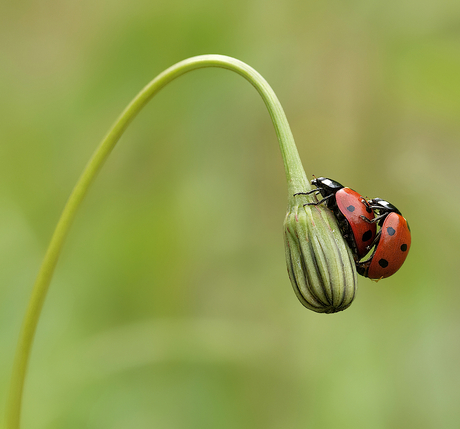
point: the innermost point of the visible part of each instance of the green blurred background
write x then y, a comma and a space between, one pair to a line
171, 306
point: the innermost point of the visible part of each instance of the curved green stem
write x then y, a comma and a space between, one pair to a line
295, 174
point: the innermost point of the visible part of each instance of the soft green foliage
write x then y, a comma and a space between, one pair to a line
171, 306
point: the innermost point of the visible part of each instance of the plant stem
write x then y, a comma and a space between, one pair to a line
295, 175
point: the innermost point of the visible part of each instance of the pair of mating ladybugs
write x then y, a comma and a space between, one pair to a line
358, 220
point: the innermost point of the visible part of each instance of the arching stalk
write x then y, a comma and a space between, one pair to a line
295, 174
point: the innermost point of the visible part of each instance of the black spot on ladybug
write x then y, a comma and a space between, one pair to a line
383, 263
391, 231
351, 208
367, 235
403, 247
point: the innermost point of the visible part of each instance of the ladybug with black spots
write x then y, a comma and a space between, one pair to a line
392, 242
350, 209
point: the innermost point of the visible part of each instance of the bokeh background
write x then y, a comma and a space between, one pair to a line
171, 306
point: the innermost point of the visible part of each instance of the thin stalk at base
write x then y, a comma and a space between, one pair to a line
295, 174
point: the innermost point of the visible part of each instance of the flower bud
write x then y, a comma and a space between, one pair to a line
319, 262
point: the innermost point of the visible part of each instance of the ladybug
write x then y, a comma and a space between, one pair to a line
392, 242
350, 209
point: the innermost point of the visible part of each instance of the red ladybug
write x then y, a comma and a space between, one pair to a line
349, 208
392, 242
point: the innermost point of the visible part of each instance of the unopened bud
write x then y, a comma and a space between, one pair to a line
319, 262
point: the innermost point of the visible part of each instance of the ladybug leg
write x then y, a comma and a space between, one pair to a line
363, 200
366, 263
363, 266
382, 216
319, 202
307, 193
376, 219
364, 218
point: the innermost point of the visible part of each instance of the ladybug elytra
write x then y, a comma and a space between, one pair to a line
358, 220
392, 242
350, 210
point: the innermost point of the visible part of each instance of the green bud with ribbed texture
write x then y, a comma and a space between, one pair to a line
319, 262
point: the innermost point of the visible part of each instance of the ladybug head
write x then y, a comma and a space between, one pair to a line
327, 184
383, 206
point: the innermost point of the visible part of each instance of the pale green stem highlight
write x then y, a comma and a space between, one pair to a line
295, 174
